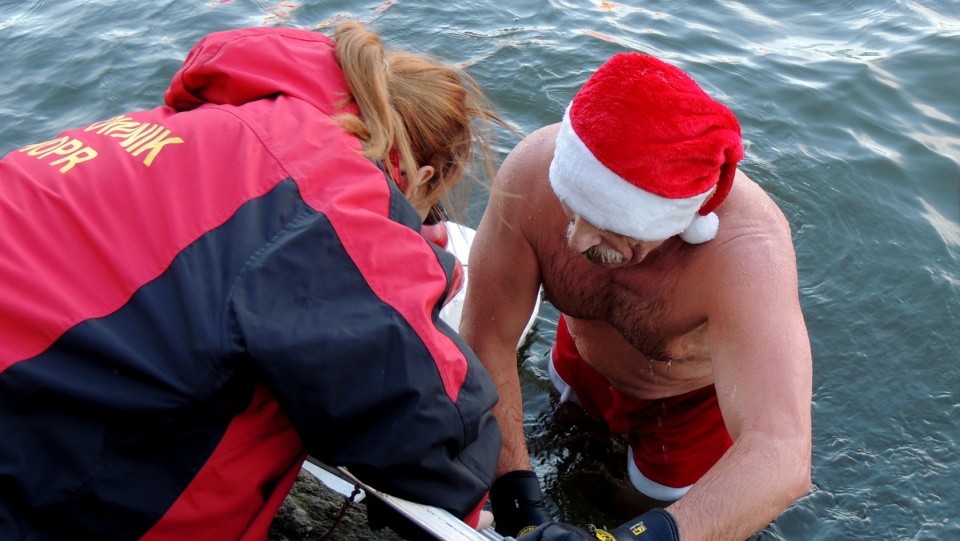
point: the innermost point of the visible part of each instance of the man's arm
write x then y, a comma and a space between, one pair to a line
503, 287
762, 369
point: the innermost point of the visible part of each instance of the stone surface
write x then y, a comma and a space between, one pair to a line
310, 511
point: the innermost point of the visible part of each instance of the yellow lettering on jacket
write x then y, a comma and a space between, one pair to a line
155, 145
72, 151
135, 137
46, 146
106, 124
80, 156
142, 133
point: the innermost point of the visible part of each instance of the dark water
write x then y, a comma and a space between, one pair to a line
850, 115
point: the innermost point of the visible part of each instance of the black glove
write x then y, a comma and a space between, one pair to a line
557, 531
655, 525
517, 503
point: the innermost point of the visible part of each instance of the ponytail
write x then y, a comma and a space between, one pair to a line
416, 106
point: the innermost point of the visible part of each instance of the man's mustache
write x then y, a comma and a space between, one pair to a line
602, 254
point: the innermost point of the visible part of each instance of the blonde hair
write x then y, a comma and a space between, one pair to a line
418, 106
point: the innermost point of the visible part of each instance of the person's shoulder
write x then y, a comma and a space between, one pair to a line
530, 159
548, 132
751, 223
538, 144
753, 253
752, 202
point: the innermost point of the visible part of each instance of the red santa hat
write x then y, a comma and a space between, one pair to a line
644, 152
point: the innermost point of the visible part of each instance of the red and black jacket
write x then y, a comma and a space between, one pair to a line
194, 297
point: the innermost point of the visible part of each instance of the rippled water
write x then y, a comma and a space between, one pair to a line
850, 115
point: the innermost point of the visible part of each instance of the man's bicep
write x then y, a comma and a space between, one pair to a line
761, 352
503, 279
504, 260
502, 288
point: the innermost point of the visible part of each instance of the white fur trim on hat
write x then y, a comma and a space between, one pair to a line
609, 202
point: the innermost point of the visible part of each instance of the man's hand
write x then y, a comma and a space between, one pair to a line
517, 503
655, 525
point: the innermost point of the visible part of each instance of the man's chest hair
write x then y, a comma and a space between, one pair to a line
641, 303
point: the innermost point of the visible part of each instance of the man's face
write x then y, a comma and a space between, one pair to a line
604, 248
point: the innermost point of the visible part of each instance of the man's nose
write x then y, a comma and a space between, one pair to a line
582, 235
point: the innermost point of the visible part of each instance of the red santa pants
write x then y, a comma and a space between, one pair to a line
674, 441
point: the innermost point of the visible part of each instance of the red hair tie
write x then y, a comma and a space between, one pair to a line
395, 166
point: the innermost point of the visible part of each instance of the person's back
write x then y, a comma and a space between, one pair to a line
195, 296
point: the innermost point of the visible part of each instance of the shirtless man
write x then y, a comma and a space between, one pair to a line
681, 327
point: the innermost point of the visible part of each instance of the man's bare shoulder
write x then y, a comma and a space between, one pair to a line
522, 195
539, 142
750, 211
530, 160
754, 247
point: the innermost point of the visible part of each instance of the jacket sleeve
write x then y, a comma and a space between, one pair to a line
344, 327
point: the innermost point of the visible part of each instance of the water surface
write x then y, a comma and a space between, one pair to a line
850, 119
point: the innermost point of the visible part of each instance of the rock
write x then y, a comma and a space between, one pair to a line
310, 512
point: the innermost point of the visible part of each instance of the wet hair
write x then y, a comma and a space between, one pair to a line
427, 112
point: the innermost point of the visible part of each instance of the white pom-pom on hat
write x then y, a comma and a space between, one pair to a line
702, 229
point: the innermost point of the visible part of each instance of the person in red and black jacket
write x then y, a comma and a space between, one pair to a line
195, 297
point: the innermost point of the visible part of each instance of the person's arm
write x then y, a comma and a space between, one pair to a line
762, 369
502, 289
503, 285
342, 323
